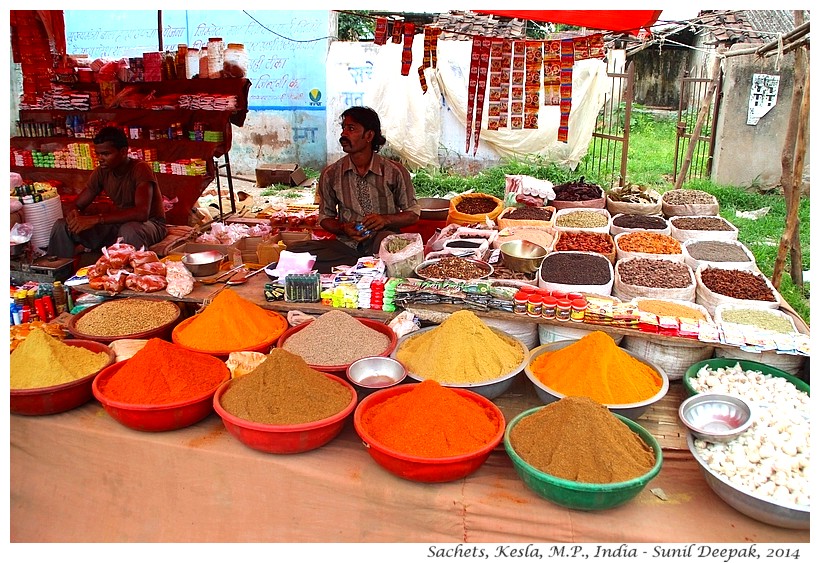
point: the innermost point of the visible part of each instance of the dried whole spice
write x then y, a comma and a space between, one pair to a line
647, 272
578, 190
635, 221
717, 251
571, 268
684, 197
737, 284
633, 193
650, 243
701, 224
454, 267
476, 205
582, 220
529, 213
586, 242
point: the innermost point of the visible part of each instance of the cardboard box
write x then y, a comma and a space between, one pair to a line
287, 173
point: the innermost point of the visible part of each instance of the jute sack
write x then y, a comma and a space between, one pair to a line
689, 234
694, 263
614, 207
710, 299
672, 357
627, 291
626, 254
616, 230
674, 210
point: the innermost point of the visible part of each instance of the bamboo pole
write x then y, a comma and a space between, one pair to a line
704, 109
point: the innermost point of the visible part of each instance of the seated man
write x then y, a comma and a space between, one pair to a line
138, 217
363, 197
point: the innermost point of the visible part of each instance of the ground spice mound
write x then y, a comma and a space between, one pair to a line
230, 323
336, 338
462, 349
283, 390
578, 439
431, 421
43, 361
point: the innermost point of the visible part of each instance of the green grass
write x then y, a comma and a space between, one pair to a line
651, 163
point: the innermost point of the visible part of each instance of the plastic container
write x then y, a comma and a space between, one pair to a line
263, 347
520, 300
154, 418
579, 307
577, 495
163, 331
534, 305
63, 397
216, 57
285, 438
427, 470
715, 363
235, 61
549, 307
563, 310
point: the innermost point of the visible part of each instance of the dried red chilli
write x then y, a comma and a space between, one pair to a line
737, 284
585, 241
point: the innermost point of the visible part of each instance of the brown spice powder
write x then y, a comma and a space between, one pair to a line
578, 439
285, 390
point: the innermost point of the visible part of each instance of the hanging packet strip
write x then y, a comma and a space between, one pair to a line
567, 62
436, 31
482, 89
581, 47
506, 74
596, 46
472, 87
407, 49
496, 91
517, 85
422, 80
380, 34
398, 27
552, 73
532, 86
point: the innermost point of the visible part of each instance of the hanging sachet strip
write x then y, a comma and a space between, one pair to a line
532, 84
596, 46
581, 47
517, 85
422, 79
435, 32
427, 61
506, 76
483, 69
398, 29
552, 73
472, 87
407, 48
567, 62
494, 106
380, 34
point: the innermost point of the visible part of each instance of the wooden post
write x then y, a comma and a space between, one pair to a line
792, 170
704, 109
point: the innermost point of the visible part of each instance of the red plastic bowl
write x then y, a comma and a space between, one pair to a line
263, 347
63, 397
285, 439
154, 418
424, 469
342, 369
163, 331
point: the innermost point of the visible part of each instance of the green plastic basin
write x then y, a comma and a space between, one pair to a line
715, 363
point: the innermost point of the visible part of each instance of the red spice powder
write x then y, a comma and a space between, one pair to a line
162, 373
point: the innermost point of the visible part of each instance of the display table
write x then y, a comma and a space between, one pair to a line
80, 476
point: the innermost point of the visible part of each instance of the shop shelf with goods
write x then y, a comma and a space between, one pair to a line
202, 136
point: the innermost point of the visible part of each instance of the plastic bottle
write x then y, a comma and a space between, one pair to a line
235, 62
216, 57
69, 125
60, 304
203, 62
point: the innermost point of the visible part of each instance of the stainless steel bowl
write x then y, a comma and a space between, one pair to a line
715, 417
203, 263
376, 372
434, 208
754, 506
630, 410
488, 389
18, 249
522, 255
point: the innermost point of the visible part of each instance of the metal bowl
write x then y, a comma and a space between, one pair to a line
434, 208
376, 372
628, 410
754, 506
488, 389
18, 248
522, 255
203, 263
419, 271
716, 417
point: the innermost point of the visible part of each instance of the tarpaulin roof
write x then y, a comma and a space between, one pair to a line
610, 20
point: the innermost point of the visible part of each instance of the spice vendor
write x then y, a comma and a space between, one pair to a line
363, 197
138, 216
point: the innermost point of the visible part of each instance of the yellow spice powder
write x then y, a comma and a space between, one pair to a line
462, 349
42, 361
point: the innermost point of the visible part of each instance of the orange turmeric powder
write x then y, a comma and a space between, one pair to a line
230, 323
595, 367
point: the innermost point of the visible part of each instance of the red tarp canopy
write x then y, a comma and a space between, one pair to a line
610, 20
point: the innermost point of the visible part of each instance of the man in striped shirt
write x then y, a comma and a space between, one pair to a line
363, 197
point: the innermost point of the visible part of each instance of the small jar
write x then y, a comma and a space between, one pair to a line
191, 62
574, 295
563, 310
527, 289
203, 62
559, 294
548, 307
235, 62
216, 57
520, 303
534, 305
579, 307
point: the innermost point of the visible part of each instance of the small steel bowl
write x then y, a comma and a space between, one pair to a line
716, 417
376, 372
522, 255
18, 248
203, 263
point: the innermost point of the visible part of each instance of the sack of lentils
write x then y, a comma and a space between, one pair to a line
721, 254
581, 272
578, 193
689, 202
702, 227
630, 222
647, 245
661, 279
716, 286
467, 209
579, 219
638, 200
